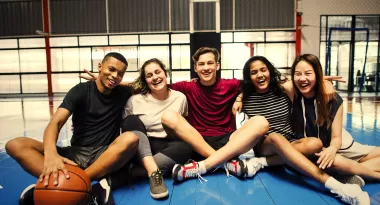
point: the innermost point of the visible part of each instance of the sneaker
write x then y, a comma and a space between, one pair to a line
187, 171
253, 166
157, 185
237, 167
352, 194
351, 179
26, 197
241, 118
102, 192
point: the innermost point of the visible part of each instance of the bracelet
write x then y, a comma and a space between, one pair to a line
239, 97
238, 101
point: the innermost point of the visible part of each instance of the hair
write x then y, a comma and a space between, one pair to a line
116, 55
204, 50
140, 85
276, 79
323, 107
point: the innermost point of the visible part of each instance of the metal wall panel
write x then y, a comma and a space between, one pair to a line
265, 14
226, 12
138, 15
77, 16
180, 15
204, 16
20, 18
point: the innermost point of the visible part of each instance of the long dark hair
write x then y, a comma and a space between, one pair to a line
323, 107
276, 78
140, 85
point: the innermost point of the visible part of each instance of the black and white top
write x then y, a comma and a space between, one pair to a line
277, 109
304, 117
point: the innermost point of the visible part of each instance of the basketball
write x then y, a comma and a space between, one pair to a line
75, 190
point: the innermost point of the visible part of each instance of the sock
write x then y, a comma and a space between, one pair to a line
202, 167
333, 184
263, 161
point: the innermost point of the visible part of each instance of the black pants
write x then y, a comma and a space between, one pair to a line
165, 151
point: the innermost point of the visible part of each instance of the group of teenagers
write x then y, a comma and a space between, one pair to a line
151, 128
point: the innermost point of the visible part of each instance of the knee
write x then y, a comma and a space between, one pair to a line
132, 122
313, 145
128, 140
170, 118
260, 124
276, 139
15, 145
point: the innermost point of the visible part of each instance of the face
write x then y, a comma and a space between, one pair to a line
260, 76
155, 77
206, 68
111, 72
305, 78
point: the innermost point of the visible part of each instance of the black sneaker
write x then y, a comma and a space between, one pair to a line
157, 185
26, 197
102, 192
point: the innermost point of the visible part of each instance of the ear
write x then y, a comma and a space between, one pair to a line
217, 66
99, 67
195, 68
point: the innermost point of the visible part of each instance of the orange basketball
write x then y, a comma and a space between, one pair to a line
75, 190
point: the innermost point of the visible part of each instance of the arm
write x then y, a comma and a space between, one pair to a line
53, 161
288, 89
238, 104
327, 156
93, 77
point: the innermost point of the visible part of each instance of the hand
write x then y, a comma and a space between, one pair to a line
194, 80
53, 163
334, 78
326, 157
236, 107
91, 76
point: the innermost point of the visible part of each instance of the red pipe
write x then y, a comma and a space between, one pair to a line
45, 13
298, 33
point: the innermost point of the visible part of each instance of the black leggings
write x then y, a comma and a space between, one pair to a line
166, 151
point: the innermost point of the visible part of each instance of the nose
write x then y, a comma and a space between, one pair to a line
114, 74
260, 74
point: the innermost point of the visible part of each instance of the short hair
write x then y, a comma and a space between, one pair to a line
116, 55
204, 50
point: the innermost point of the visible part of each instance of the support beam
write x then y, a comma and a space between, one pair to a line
46, 30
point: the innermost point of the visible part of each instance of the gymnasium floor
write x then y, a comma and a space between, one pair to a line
29, 116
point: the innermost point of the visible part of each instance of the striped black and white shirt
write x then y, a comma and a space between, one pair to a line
277, 109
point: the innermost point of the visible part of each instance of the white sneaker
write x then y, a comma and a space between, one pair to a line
247, 155
352, 194
240, 119
253, 166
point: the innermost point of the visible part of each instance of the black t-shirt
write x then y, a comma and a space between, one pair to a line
311, 128
96, 117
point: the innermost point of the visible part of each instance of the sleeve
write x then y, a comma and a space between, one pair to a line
236, 83
126, 91
128, 108
335, 104
184, 107
179, 86
72, 98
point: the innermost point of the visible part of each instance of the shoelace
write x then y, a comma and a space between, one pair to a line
225, 168
195, 173
344, 197
157, 178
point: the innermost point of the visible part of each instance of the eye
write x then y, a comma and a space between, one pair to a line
254, 72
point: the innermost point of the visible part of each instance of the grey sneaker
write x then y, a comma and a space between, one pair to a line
351, 179
157, 185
